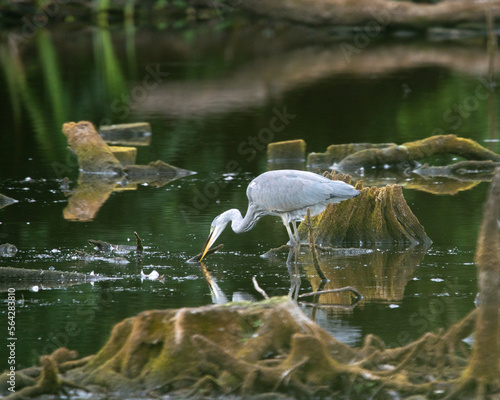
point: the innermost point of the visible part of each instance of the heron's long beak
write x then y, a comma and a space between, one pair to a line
208, 244
215, 232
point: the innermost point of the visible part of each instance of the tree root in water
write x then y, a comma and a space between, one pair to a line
266, 347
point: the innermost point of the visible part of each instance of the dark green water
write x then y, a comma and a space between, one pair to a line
207, 100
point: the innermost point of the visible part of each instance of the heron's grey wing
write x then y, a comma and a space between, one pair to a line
288, 190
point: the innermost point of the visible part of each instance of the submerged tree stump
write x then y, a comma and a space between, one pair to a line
286, 150
377, 216
99, 164
246, 349
94, 155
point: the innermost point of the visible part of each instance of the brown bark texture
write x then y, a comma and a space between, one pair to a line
376, 14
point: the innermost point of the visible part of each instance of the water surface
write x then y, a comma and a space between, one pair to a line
207, 101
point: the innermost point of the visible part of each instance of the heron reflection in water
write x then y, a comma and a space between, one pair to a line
286, 194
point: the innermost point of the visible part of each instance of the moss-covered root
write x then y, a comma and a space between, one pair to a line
483, 369
94, 155
48, 383
63, 358
156, 349
376, 216
410, 152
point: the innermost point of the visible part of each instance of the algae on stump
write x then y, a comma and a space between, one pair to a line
376, 216
247, 348
171, 349
286, 150
289, 154
94, 155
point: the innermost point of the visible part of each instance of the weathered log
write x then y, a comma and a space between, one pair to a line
9, 274
407, 154
26, 279
380, 13
337, 152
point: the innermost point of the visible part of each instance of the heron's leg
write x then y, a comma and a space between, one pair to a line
286, 222
294, 274
296, 232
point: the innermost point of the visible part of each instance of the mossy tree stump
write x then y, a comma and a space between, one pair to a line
252, 348
169, 350
377, 216
94, 155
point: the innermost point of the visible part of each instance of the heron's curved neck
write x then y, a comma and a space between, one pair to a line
240, 224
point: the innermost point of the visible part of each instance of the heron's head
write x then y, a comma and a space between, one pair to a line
218, 225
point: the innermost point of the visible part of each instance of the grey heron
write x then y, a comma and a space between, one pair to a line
283, 193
